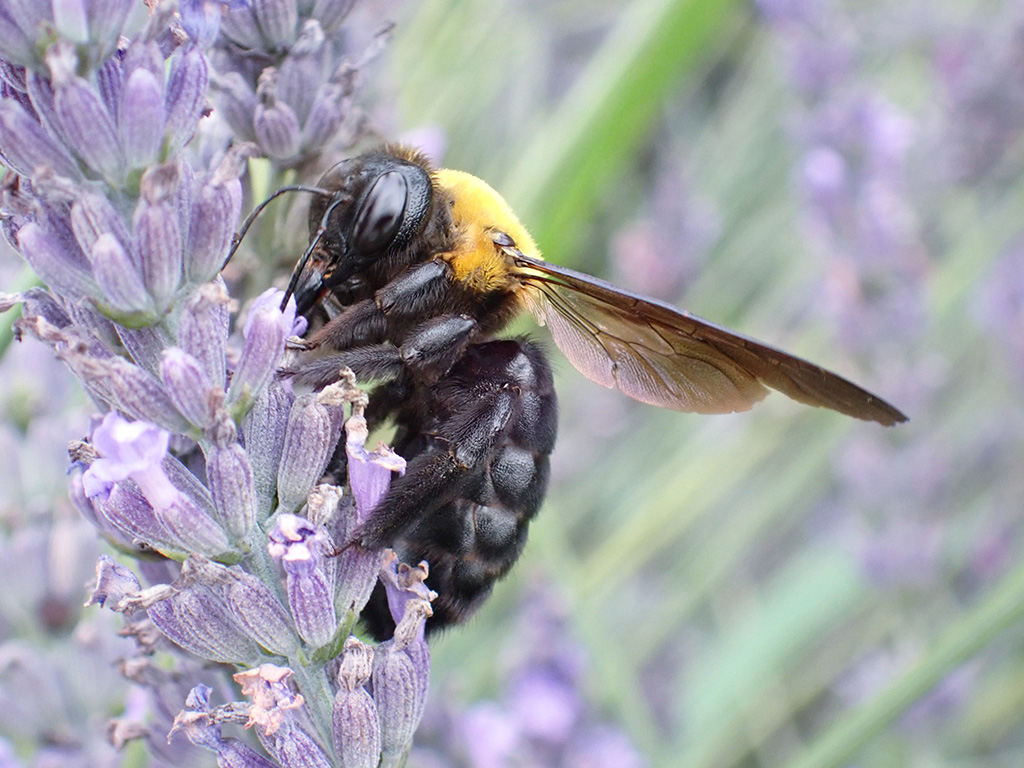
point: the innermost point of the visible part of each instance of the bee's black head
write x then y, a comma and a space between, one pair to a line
379, 204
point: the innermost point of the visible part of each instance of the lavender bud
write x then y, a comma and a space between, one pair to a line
26, 145
265, 332
251, 602
125, 509
239, 25
303, 550
324, 116
302, 66
274, 121
278, 21
237, 103
294, 748
15, 46
312, 434
355, 718
214, 215
400, 682
110, 82
93, 215
277, 130
201, 21
87, 125
197, 621
29, 16
186, 95
57, 266
187, 385
264, 431
331, 13
106, 20
141, 122
192, 529
124, 294
186, 482
70, 20
113, 533
231, 484
145, 344
203, 329
157, 234
134, 391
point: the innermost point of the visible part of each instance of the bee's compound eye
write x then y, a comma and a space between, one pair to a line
380, 215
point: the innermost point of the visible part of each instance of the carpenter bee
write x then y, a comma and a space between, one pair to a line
410, 274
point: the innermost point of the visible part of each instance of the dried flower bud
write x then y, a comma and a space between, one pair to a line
197, 721
114, 582
273, 700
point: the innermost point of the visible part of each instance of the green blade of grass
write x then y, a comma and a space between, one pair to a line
1001, 609
584, 143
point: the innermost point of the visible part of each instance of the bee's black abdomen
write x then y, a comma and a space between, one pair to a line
478, 445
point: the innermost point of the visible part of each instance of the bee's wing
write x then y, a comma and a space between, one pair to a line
661, 355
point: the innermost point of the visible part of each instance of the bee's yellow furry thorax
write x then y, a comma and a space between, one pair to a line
478, 211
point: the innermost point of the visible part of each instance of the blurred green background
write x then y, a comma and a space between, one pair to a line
786, 587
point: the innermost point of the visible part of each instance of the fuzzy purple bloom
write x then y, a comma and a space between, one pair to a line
303, 548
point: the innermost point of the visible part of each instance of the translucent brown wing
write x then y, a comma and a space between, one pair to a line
661, 355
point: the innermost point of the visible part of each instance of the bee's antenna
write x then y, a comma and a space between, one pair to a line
237, 239
297, 272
